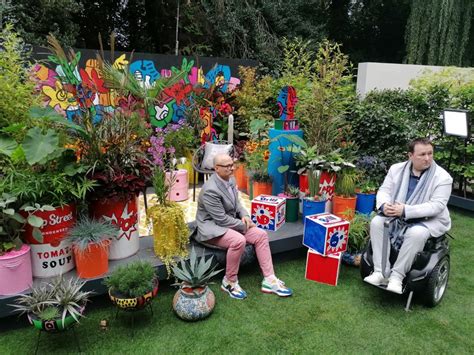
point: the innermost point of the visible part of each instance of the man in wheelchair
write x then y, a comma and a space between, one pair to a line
411, 203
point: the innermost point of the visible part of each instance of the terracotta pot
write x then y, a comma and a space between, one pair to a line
262, 188
93, 261
241, 177
344, 207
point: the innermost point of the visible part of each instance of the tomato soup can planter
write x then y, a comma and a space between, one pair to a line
15, 271
52, 257
194, 304
93, 261
123, 212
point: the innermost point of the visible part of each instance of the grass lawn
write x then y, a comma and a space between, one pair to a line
352, 318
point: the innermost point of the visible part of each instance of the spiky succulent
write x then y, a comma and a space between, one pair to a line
87, 231
63, 295
195, 272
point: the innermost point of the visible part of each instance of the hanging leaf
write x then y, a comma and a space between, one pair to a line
7, 146
38, 146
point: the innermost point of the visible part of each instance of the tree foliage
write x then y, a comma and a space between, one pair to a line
438, 32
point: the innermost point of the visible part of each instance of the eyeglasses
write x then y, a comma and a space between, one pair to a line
228, 167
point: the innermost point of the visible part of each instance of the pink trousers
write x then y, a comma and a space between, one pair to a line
235, 242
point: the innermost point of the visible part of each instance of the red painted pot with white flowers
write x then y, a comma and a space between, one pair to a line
52, 256
123, 212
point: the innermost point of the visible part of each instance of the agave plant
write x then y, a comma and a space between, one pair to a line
87, 231
195, 272
58, 297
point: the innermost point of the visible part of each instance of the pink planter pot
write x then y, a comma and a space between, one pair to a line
15, 271
179, 191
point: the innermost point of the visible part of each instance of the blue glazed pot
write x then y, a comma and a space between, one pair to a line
312, 207
365, 203
194, 304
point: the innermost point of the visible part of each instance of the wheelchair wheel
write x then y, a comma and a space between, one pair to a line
437, 283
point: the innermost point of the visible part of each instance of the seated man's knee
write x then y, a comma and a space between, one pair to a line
238, 242
417, 234
377, 223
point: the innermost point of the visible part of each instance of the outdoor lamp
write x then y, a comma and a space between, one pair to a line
456, 123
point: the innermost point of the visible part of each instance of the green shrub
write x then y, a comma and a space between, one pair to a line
16, 90
132, 280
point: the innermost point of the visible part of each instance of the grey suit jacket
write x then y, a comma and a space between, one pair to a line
217, 211
434, 213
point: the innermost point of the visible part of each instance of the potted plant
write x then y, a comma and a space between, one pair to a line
372, 172
194, 300
344, 201
90, 240
15, 258
48, 180
366, 193
358, 238
112, 144
256, 160
132, 286
54, 306
170, 231
240, 172
314, 202
292, 203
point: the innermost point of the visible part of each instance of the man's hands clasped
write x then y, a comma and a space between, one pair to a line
393, 209
248, 222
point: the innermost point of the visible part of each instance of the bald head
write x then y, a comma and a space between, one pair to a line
222, 159
224, 166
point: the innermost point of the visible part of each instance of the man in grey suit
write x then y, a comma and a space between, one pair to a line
223, 222
415, 193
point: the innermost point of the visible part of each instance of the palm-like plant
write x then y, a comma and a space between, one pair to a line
195, 272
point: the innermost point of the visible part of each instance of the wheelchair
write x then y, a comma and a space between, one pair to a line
428, 277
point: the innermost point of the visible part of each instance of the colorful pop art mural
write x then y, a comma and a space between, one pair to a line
70, 86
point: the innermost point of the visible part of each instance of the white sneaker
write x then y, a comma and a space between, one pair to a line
376, 279
395, 285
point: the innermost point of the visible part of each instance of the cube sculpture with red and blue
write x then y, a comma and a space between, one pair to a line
326, 236
325, 233
323, 269
268, 212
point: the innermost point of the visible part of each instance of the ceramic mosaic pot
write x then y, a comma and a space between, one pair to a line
133, 303
194, 304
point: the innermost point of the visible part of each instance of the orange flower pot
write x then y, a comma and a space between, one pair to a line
262, 188
344, 207
241, 177
93, 261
